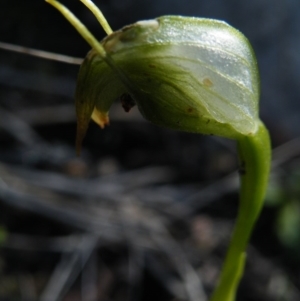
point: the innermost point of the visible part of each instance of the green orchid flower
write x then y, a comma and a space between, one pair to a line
190, 74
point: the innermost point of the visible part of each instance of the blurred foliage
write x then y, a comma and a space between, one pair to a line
284, 193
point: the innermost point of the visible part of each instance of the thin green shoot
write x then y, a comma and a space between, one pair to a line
99, 16
83, 31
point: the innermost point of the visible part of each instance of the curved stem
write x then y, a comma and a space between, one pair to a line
98, 14
255, 153
83, 31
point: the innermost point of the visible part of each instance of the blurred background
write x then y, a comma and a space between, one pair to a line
145, 212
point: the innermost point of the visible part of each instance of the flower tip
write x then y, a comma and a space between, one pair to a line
101, 118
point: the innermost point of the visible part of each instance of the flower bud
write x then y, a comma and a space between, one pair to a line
190, 74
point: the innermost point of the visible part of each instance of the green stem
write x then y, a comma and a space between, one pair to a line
82, 30
90, 39
99, 16
255, 154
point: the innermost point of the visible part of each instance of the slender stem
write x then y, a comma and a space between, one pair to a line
98, 14
254, 153
83, 31
87, 35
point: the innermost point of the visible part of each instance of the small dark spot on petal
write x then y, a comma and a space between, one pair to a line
127, 102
